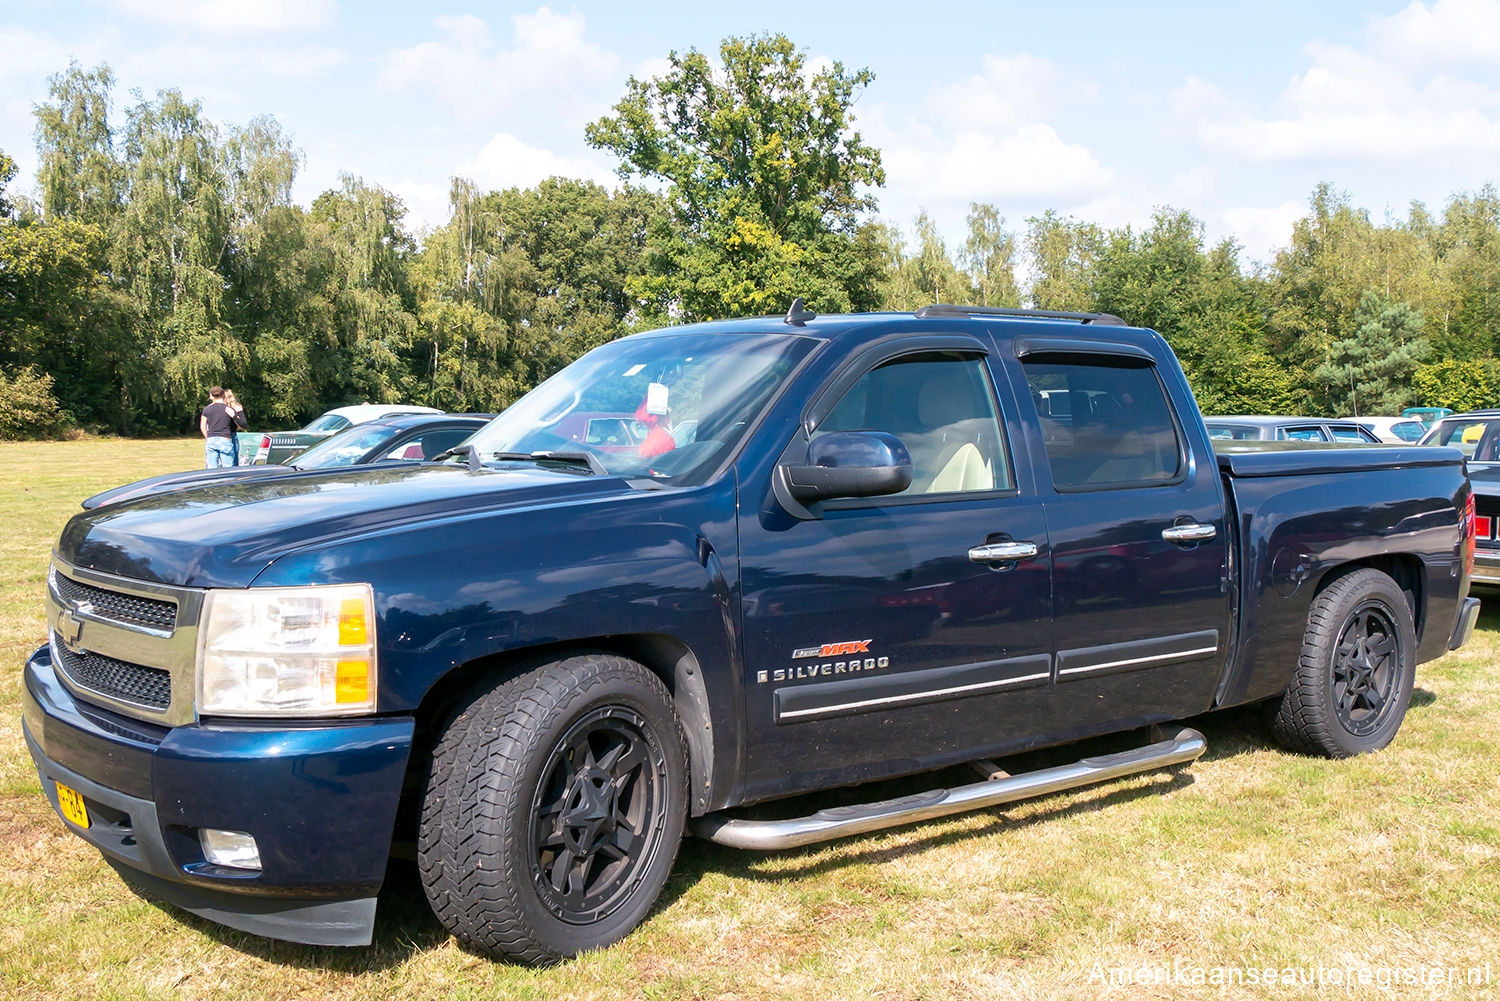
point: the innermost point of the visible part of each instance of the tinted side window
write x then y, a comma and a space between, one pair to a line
1408, 430
1301, 434
430, 444
1343, 432
942, 407
1119, 429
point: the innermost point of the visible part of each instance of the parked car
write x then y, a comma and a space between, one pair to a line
278, 446
403, 438
606, 432
533, 667
1477, 435
1302, 429
1427, 415
1392, 430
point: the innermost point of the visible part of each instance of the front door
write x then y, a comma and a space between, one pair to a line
876, 642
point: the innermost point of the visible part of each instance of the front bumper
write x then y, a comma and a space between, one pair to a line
319, 798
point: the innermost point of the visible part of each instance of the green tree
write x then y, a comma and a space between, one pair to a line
364, 254
79, 172
1459, 384
520, 282
989, 257
7, 174
929, 274
1371, 371
1468, 252
767, 180
169, 245
1062, 254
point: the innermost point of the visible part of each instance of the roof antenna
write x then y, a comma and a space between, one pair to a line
798, 315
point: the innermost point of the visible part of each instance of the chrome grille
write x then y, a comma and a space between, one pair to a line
123, 644
116, 606
149, 687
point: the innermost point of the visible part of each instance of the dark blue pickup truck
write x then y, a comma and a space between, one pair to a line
831, 550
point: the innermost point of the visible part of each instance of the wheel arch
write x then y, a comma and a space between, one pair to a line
1403, 568
666, 656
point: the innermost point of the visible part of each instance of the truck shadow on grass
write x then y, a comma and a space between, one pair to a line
405, 927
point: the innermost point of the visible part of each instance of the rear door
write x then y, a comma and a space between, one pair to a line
1136, 524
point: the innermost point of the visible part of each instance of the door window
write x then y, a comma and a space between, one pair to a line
1302, 434
1350, 432
942, 407
1117, 429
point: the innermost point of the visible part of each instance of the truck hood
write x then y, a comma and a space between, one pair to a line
223, 535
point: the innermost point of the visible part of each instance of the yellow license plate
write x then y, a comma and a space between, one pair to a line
71, 804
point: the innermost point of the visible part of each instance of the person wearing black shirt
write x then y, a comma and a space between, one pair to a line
218, 424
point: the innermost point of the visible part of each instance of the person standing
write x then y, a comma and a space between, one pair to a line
217, 426
237, 414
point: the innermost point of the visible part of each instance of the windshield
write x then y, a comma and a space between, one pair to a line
345, 448
1477, 437
669, 406
328, 422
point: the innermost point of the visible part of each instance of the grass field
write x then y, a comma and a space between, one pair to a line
1252, 858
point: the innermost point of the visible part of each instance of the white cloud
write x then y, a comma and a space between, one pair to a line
506, 161
467, 68
988, 138
1447, 32
1387, 101
1030, 162
1012, 90
234, 16
1260, 231
503, 162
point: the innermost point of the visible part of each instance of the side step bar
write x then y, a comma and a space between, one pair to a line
840, 822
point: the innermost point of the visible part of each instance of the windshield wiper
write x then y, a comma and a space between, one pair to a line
580, 459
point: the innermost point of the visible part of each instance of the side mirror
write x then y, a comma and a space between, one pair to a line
850, 464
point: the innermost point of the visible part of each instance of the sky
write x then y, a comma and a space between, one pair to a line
1103, 111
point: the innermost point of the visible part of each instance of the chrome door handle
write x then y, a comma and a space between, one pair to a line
994, 552
1189, 533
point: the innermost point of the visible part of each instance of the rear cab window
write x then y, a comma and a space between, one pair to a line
1118, 430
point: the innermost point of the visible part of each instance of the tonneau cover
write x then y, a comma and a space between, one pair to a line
1243, 459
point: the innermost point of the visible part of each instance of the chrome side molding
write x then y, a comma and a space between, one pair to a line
1183, 746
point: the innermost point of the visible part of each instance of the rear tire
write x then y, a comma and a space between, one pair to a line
1355, 675
554, 808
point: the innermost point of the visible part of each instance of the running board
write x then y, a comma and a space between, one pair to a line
840, 822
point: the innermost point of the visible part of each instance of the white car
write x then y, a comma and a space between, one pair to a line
1398, 430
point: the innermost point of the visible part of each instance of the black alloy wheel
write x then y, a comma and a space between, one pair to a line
1355, 675
598, 815
1365, 669
554, 806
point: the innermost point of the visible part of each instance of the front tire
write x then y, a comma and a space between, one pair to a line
554, 809
1355, 675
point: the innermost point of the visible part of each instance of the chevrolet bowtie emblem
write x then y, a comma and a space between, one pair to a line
69, 629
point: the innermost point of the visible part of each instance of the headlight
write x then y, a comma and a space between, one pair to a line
287, 651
